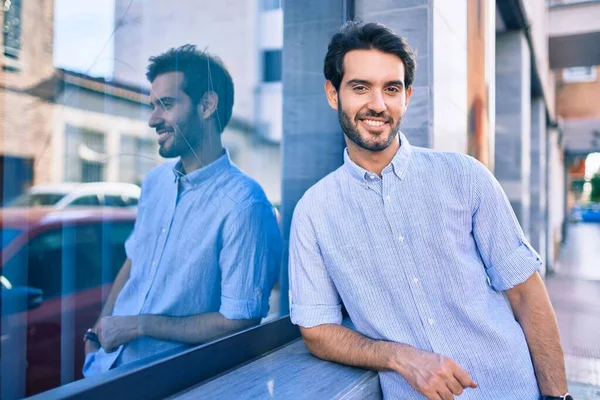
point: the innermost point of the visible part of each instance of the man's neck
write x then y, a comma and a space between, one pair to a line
373, 161
203, 155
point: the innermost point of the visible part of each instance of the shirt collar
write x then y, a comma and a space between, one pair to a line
207, 172
398, 165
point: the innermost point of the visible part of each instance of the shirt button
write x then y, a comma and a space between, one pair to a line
401, 238
163, 230
388, 197
416, 280
371, 177
430, 320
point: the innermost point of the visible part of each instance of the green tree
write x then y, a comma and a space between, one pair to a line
595, 181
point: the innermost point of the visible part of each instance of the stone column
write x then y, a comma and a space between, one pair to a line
312, 138
513, 123
538, 176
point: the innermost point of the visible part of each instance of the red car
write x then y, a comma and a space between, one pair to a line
57, 270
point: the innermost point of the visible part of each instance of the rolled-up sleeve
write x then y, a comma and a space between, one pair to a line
249, 261
314, 299
508, 257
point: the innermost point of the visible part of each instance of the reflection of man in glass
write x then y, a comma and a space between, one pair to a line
205, 251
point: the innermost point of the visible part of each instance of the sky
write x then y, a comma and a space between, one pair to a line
82, 36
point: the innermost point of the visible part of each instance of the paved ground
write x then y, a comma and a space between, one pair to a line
575, 294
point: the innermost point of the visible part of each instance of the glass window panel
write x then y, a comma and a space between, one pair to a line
93, 145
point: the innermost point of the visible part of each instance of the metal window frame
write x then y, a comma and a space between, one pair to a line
172, 372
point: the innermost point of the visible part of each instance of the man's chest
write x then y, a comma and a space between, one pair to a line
394, 236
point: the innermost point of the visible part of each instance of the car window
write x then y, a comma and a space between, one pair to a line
36, 199
131, 201
113, 200
89, 200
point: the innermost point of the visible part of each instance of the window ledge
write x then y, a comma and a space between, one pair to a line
290, 372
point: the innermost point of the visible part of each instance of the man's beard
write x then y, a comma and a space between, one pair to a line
185, 138
350, 129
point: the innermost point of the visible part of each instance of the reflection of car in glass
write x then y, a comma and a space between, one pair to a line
61, 195
589, 212
57, 269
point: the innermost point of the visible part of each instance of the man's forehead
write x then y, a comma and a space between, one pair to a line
373, 65
167, 84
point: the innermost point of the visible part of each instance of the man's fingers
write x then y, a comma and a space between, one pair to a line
464, 378
445, 393
455, 386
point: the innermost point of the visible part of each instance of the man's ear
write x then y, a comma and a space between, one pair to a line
332, 95
208, 104
408, 94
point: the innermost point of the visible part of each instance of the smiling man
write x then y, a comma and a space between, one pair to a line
205, 251
422, 247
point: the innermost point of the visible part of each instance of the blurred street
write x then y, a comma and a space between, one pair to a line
575, 293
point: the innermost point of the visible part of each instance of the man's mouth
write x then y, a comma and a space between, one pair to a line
371, 123
164, 136
374, 122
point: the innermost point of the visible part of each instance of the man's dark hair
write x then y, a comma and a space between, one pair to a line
202, 72
354, 35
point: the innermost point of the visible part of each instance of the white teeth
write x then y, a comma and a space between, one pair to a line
373, 123
163, 135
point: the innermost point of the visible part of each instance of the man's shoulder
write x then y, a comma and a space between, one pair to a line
318, 195
161, 171
442, 162
239, 189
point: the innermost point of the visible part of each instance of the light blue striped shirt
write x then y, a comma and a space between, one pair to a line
420, 256
204, 242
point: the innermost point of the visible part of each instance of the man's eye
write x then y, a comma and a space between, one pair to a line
393, 90
359, 88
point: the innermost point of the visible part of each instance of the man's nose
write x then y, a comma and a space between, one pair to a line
376, 102
155, 119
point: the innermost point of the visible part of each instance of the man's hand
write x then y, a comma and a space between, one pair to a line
116, 331
435, 376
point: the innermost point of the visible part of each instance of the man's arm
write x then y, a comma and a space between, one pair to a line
118, 330
433, 375
533, 310
120, 280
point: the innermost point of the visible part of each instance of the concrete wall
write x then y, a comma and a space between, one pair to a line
574, 19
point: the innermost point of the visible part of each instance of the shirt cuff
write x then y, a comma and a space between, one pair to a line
515, 269
243, 309
310, 316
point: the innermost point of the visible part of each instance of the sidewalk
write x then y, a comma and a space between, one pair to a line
575, 294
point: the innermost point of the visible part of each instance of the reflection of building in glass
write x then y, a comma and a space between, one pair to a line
101, 132
25, 112
58, 125
12, 27
248, 38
